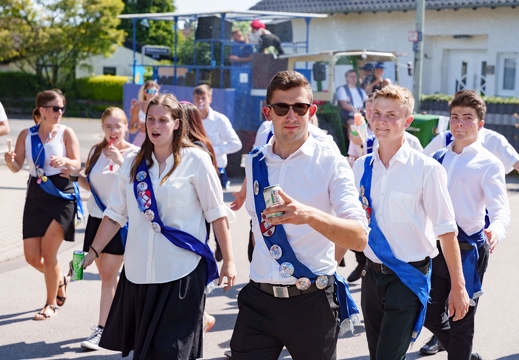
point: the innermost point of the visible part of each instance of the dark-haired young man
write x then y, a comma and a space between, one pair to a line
290, 299
476, 181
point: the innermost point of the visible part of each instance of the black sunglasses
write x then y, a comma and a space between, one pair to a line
151, 91
55, 108
281, 109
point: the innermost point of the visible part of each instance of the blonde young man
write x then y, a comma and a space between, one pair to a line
405, 195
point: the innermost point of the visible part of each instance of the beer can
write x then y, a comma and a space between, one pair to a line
77, 265
272, 198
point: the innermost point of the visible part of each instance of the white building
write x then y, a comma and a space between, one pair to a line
472, 44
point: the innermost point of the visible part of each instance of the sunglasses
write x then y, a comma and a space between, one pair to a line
55, 108
281, 109
151, 91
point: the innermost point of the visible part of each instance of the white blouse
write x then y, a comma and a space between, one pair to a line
102, 179
191, 195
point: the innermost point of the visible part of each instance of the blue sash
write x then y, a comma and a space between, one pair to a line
276, 235
413, 278
124, 229
370, 141
469, 258
38, 157
145, 197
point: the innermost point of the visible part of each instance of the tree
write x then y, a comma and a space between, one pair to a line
150, 32
50, 37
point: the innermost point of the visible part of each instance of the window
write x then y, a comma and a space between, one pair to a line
509, 74
109, 70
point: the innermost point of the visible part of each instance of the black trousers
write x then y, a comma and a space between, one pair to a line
307, 325
390, 311
455, 336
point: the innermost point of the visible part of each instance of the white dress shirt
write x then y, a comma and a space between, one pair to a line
3, 115
476, 180
493, 141
314, 175
191, 195
222, 136
102, 179
411, 203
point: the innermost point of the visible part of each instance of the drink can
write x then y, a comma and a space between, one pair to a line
272, 198
77, 266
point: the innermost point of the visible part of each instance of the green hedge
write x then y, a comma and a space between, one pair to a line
101, 87
488, 99
18, 84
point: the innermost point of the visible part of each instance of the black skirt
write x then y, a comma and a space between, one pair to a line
41, 208
114, 247
158, 321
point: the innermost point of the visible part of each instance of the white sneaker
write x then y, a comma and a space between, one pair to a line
92, 343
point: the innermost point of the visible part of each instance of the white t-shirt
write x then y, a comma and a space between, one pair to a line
102, 180
357, 101
222, 136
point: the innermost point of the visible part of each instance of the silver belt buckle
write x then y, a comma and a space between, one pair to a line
384, 269
280, 291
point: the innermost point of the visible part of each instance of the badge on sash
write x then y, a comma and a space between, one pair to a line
141, 175
286, 269
267, 229
142, 186
256, 187
276, 252
156, 227
150, 215
365, 203
145, 199
321, 282
303, 283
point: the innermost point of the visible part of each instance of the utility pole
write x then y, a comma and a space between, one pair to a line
418, 53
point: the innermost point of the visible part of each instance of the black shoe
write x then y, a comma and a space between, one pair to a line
356, 274
475, 356
432, 347
342, 263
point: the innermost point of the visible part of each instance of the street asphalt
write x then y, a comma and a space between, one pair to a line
23, 291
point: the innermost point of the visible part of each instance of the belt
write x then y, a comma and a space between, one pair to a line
287, 291
466, 246
422, 265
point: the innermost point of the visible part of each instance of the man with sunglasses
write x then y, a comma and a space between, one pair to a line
290, 299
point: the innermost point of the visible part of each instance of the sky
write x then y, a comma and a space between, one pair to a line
213, 5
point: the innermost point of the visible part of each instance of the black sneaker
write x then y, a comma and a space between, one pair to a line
356, 274
432, 347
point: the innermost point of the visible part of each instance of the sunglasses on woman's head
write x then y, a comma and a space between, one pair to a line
151, 91
281, 109
55, 108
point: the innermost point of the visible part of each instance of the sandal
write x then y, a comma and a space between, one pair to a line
42, 315
60, 300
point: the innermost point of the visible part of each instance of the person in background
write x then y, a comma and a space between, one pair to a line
138, 110
406, 198
101, 169
52, 201
378, 81
4, 123
261, 36
196, 134
351, 100
368, 77
241, 52
166, 192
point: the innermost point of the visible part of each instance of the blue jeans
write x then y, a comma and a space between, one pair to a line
223, 177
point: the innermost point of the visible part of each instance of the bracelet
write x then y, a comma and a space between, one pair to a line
94, 250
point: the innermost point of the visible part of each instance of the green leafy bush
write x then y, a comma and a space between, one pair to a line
101, 87
18, 84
